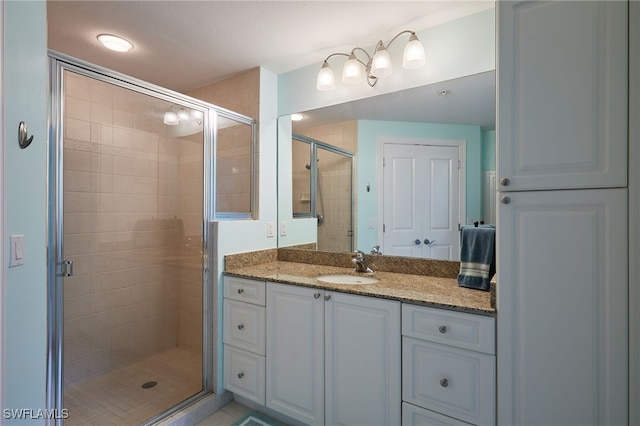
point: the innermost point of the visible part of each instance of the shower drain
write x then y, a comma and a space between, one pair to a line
149, 385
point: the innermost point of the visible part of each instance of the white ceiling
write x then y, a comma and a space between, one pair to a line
182, 45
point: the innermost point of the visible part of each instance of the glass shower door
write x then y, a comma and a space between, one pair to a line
133, 230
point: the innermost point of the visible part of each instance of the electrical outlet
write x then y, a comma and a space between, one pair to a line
283, 228
271, 229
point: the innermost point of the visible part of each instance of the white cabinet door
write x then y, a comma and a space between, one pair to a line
341, 346
562, 94
562, 307
295, 352
362, 360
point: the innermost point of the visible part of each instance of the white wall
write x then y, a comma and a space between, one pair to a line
24, 303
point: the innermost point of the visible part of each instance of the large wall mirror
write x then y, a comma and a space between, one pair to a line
438, 145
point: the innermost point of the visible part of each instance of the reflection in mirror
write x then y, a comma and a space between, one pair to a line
322, 188
465, 112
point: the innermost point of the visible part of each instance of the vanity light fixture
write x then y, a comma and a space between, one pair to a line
115, 43
378, 65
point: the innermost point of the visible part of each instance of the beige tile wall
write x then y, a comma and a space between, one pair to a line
132, 198
239, 93
334, 180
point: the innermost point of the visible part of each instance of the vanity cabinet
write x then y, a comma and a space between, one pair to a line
332, 358
448, 367
244, 334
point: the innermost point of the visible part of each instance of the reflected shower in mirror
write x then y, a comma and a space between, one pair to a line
322, 188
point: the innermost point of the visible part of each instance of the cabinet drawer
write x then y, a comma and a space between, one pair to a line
451, 381
416, 416
244, 374
245, 290
244, 326
467, 331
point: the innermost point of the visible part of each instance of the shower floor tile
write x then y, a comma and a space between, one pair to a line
117, 397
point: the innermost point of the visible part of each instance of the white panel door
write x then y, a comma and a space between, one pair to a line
421, 201
362, 356
295, 352
562, 307
562, 94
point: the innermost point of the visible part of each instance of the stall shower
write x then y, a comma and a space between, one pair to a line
130, 203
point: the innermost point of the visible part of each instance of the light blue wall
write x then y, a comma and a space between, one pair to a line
488, 150
369, 132
24, 303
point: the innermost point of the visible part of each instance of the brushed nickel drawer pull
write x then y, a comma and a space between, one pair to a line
444, 383
442, 329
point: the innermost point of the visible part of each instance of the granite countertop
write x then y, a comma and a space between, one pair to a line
441, 292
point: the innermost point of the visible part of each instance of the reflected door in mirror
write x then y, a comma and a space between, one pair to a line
421, 201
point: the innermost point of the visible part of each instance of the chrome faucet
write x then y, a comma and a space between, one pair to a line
360, 262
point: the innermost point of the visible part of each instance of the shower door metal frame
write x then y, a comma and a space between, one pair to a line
60, 63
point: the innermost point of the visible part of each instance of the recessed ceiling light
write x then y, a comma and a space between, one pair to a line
296, 117
115, 43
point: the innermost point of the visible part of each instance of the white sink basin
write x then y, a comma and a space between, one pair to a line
346, 279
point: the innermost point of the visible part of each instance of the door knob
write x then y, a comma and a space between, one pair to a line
417, 242
428, 242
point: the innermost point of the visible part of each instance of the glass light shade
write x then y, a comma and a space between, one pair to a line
171, 119
413, 56
326, 78
197, 115
352, 71
115, 43
183, 114
381, 63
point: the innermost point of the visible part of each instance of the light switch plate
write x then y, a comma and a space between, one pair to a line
16, 250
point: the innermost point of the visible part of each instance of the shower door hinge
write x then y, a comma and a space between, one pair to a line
66, 268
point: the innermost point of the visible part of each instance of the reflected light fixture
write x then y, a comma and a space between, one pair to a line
376, 65
177, 114
115, 43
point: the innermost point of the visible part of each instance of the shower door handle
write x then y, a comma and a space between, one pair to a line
66, 268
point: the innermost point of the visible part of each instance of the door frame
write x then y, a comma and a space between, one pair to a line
461, 144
